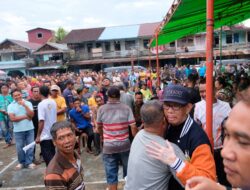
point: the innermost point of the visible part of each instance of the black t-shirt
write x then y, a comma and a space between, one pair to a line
35, 108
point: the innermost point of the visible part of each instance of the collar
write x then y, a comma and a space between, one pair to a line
188, 123
114, 102
63, 162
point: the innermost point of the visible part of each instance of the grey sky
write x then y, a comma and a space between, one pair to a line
18, 16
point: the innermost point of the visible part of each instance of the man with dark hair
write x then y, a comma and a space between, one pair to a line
137, 108
47, 116
235, 152
68, 95
221, 111
35, 100
156, 174
81, 120
113, 120
5, 123
20, 113
65, 170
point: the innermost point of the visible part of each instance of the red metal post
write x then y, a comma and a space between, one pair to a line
209, 72
157, 61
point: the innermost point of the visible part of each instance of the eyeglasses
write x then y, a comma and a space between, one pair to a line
175, 107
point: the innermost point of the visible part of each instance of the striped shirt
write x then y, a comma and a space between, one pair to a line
115, 118
61, 174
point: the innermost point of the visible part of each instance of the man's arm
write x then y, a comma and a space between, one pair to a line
134, 129
29, 111
54, 182
14, 118
39, 131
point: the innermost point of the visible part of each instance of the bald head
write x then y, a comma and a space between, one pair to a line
152, 113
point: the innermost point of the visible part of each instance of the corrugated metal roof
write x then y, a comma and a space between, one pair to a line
148, 29
83, 35
120, 32
27, 45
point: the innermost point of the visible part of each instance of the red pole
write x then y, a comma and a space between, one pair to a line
150, 67
209, 72
149, 58
157, 61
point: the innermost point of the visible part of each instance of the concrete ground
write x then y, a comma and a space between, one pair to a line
94, 175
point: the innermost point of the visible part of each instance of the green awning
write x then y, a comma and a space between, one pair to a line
187, 17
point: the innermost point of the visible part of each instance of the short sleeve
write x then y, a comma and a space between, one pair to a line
41, 112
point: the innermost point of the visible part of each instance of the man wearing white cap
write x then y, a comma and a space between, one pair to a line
61, 106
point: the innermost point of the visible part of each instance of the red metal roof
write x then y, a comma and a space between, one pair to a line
83, 35
148, 29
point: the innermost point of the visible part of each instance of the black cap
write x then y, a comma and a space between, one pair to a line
177, 94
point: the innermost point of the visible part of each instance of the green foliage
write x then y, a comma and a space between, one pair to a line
60, 34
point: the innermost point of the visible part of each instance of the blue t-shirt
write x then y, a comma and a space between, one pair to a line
67, 94
81, 122
19, 110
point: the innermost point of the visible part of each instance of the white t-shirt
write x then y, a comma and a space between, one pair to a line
87, 81
47, 112
221, 110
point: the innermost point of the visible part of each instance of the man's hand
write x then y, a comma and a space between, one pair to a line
202, 183
21, 102
38, 140
165, 154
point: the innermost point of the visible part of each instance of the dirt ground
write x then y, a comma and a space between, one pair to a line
12, 179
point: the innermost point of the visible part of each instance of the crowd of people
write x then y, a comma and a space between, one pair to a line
157, 132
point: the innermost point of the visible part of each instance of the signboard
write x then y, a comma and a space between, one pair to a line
160, 49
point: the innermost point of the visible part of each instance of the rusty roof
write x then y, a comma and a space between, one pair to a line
26, 45
83, 35
148, 29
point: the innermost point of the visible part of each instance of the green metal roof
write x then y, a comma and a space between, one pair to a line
187, 17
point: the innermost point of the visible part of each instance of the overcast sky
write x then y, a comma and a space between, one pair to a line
18, 16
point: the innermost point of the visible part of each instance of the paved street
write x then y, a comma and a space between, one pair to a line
33, 179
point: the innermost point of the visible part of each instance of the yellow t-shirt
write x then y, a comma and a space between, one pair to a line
92, 102
60, 103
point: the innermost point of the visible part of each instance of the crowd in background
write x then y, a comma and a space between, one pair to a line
78, 96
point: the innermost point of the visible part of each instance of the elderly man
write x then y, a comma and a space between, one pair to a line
65, 170
235, 152
113, 121
145, 172
188, 135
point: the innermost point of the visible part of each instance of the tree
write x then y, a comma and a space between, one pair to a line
60, 34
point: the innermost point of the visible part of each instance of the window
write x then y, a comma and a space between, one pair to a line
89, 47
107, 46
39, 35
117, 46
216, 40
98, 45
129, 45
229, 39
236, 37
190, 41
145, 44
172, 44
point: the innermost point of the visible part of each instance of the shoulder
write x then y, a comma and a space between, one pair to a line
197, 135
